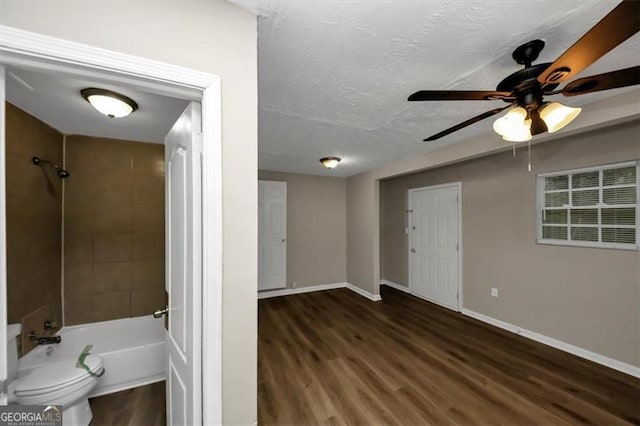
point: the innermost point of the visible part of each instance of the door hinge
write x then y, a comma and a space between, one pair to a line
457, 247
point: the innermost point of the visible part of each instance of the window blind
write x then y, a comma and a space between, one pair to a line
594, 207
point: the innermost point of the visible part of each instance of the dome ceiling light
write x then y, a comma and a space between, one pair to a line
109, 103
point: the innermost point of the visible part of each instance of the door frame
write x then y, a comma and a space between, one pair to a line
50, 54
458, 186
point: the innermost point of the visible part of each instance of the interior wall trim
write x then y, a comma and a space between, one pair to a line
290, 291
623, 367
397, 286
364, 293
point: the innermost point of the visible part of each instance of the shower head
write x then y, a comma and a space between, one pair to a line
62, 174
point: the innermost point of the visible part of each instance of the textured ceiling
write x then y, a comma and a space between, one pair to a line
56, 100
334, 75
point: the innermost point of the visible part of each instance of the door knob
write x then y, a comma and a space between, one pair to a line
161, 312
284, 239
413, 250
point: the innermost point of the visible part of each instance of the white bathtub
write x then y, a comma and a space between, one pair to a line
133, 350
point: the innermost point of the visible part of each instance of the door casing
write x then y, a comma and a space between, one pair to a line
49, 54
458, 186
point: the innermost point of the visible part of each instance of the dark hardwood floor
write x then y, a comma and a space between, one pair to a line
334, 357
142, 406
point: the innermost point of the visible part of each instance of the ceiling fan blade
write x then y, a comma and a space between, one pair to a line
466, 123
609, 80
620, 24
458, 95
537, 123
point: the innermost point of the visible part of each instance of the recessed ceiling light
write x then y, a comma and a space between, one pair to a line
111, 104
330, 162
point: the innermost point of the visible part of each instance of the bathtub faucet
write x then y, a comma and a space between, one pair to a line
44, 340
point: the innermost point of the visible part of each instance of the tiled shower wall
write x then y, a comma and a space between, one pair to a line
113, 229
34, 200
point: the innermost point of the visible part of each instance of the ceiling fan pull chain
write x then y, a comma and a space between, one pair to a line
529, 145
514, 149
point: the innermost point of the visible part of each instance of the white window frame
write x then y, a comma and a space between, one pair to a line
540, 200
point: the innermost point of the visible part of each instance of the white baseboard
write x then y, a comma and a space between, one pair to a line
289, 291
395, 285
563, 346
364, 293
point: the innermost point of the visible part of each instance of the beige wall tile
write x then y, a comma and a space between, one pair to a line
148, 189
144, 302
78, 248
100, 201
78, 217
147, 246
112, 246
148, 159
113, 276
148, 217
147, 274
78, 309
78, 279
112, 188
79, 188
112, 217
111, 305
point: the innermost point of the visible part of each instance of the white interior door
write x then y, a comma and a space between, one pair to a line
272, 235
183, 261
434, 244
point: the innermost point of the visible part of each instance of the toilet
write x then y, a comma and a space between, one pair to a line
55, 383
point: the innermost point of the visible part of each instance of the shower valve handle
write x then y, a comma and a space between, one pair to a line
161, 312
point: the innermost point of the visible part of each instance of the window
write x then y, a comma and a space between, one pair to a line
595, 207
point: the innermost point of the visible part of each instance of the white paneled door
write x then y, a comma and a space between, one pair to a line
434, 256
272, 235
183, 262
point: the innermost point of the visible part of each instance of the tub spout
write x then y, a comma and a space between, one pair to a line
45, 340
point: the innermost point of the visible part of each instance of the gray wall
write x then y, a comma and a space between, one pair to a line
219, 38
584, 296
316, 228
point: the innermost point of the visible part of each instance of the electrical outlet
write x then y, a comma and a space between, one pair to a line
494, 292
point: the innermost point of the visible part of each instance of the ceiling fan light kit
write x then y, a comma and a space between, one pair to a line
514, 126
524, 90
556, 115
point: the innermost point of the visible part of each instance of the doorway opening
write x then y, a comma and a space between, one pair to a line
119, 193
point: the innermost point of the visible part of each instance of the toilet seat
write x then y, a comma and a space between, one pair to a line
57, 376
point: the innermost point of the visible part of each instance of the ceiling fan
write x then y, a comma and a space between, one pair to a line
525, 89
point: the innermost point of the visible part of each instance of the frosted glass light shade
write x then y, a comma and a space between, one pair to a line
111, 104
514, 126
330, 162
556, 116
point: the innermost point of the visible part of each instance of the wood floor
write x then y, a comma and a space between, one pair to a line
142, 406
334, 357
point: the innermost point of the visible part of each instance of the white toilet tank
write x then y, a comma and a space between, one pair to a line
13, 332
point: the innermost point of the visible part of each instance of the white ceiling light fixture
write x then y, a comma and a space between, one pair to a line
514, 126
330, 162
109, 103
556, 116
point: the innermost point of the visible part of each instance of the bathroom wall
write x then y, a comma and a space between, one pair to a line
113, 229
34, 201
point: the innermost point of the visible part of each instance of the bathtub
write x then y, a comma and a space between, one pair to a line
133, 351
